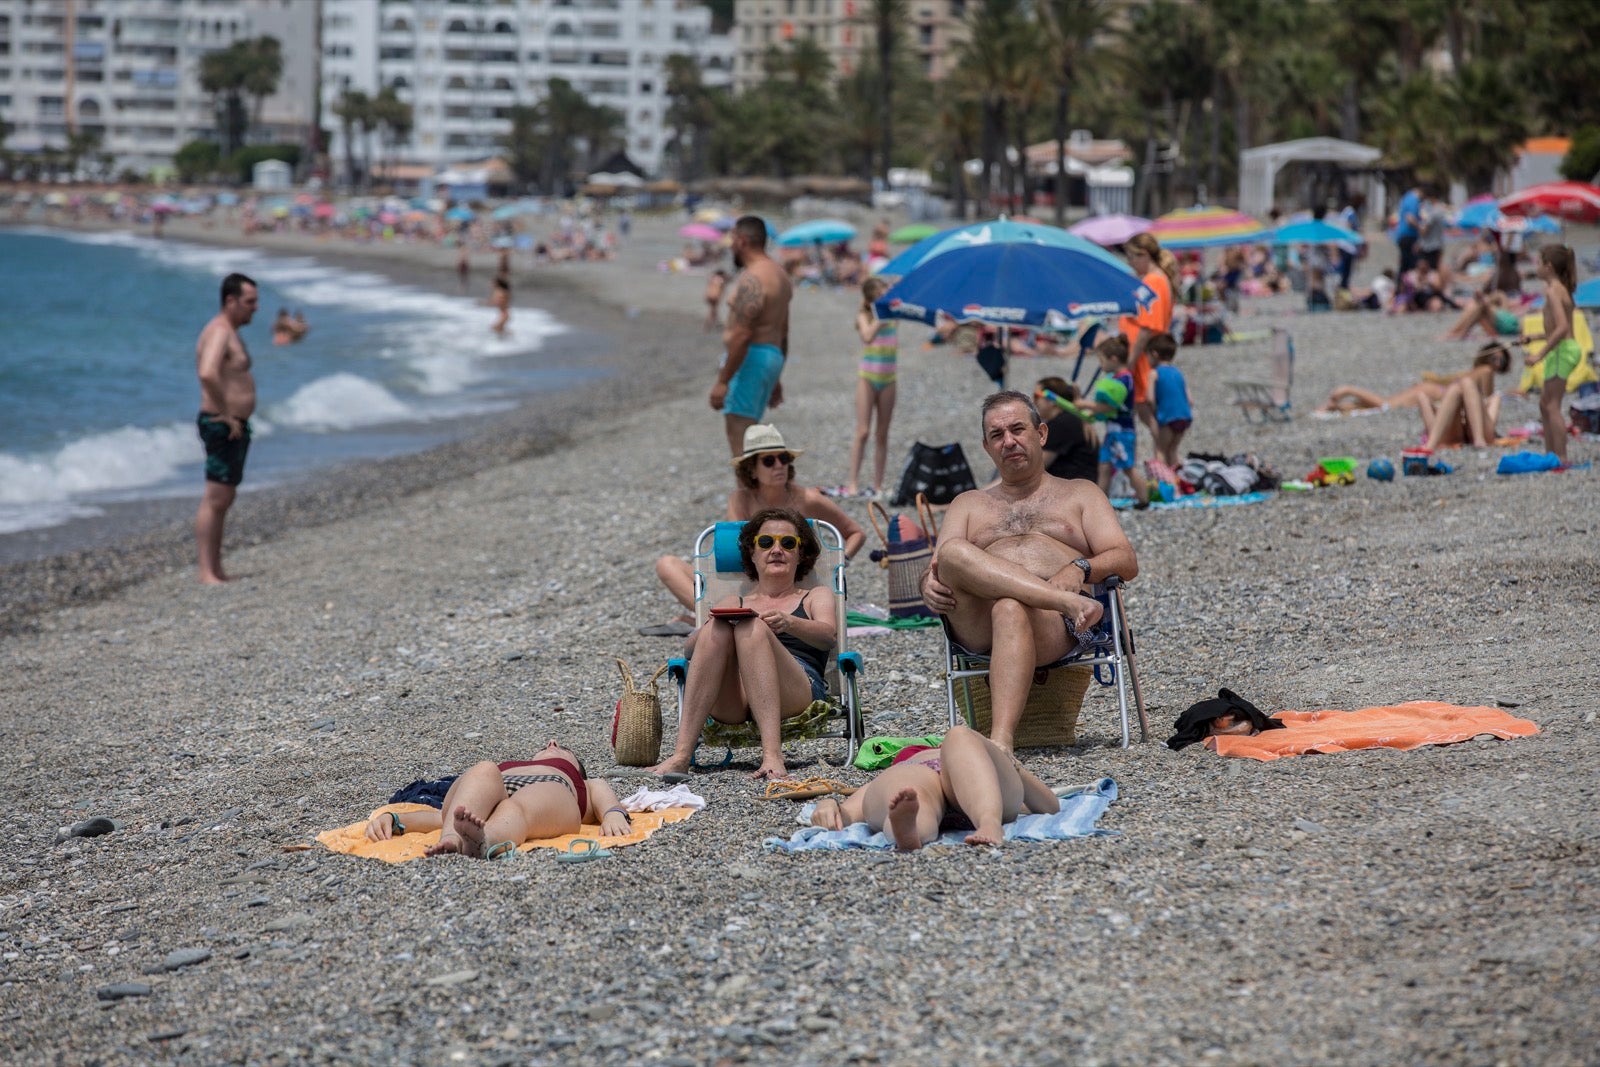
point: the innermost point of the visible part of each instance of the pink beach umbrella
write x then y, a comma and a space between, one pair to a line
323, 211
700, 231
1108, 230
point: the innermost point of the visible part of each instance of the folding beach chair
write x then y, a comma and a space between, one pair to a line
718, 574
1088, 337
1269, 399
1111, 657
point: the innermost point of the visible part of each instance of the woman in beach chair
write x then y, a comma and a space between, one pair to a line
765, 473
761, 656
494, 807
968, 779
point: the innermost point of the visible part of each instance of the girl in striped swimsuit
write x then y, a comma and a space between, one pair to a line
874, 387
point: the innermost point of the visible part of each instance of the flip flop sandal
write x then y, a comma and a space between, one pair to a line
808, 789
675, 777
505, 850
590, 851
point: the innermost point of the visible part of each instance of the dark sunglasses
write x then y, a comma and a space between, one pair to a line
787, 542
783, 459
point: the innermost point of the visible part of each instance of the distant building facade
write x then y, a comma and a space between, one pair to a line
463, 64
129, 70
844, 28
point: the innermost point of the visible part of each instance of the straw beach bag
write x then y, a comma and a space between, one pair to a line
636, 727
907, 551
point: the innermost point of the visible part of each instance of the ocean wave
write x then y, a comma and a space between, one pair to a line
129, 458
342, 402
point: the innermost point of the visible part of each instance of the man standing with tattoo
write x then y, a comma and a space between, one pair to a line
756, 337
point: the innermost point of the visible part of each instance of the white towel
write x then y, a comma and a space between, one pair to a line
660, 799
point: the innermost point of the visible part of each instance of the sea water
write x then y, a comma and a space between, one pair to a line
97, 368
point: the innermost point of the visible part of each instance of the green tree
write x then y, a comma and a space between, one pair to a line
1068, 28
691, 112
1582, 161
562, 133
394, 121
248, 67
524, 145
197, 160
1487, 124
1000, 65
353, 109
887, 16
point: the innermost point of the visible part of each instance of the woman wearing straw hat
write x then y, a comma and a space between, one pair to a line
765, 473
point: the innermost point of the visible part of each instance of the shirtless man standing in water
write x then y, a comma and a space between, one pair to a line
1012, 559
756, 337
227, 400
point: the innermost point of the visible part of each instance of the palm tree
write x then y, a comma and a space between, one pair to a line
1069, 28
393, 117
887, 17
247, 67
353, 109
995, 64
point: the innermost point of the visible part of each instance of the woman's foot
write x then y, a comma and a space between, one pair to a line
467, 838
670, 765
993, 836
903, 808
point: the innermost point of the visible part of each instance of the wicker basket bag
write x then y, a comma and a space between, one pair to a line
636, 727
1049, 718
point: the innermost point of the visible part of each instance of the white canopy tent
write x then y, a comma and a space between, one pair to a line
1258, 169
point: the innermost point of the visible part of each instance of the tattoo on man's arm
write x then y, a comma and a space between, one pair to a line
746, 302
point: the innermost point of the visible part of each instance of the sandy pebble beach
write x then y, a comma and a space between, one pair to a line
405, 619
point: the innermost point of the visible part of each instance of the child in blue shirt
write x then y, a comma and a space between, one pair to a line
1174, 413
1111, 402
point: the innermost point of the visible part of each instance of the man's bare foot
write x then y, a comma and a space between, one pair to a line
214, 579
670, 765
995, 838
467, 839
903, 808
770, 771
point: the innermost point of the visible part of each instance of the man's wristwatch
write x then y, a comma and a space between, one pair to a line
1085, 566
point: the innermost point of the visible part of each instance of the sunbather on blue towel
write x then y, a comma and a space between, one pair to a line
967, 777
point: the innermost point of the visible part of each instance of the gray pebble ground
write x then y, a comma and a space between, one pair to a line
1436, 906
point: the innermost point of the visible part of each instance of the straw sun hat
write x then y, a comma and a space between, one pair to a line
764, 437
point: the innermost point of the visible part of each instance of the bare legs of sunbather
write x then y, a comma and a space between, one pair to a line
1462, 416
477, 810
1355, 398
968, 773
1478, 312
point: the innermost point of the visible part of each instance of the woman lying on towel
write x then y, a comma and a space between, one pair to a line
968, 777
494, 807
761, 655
1432, 387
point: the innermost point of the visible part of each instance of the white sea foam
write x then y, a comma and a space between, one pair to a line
341, 402
44, 489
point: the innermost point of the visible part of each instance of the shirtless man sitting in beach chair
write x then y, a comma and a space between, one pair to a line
1012, 559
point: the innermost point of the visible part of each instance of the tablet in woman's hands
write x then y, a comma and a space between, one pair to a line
733, 614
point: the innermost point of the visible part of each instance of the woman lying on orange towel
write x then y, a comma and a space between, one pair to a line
967, 775
494, 807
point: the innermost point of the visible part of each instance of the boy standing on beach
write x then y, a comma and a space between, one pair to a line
227, 400
1112, 400
1174, 414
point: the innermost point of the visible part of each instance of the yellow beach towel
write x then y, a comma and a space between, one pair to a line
353, 838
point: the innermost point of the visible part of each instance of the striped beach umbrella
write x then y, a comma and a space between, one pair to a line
1206, 227
1573, 201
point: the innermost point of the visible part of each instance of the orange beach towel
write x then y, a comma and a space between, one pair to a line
1402, 726
353, 838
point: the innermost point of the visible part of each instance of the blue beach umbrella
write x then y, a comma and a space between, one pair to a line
1587, 295
1478, 214
1015, 284
513, 210
460, 214
1315, 232
997, 231
823, 231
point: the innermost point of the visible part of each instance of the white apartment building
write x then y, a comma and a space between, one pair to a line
933, 30
463, 64
129, 70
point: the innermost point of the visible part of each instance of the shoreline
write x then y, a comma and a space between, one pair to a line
97, 555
